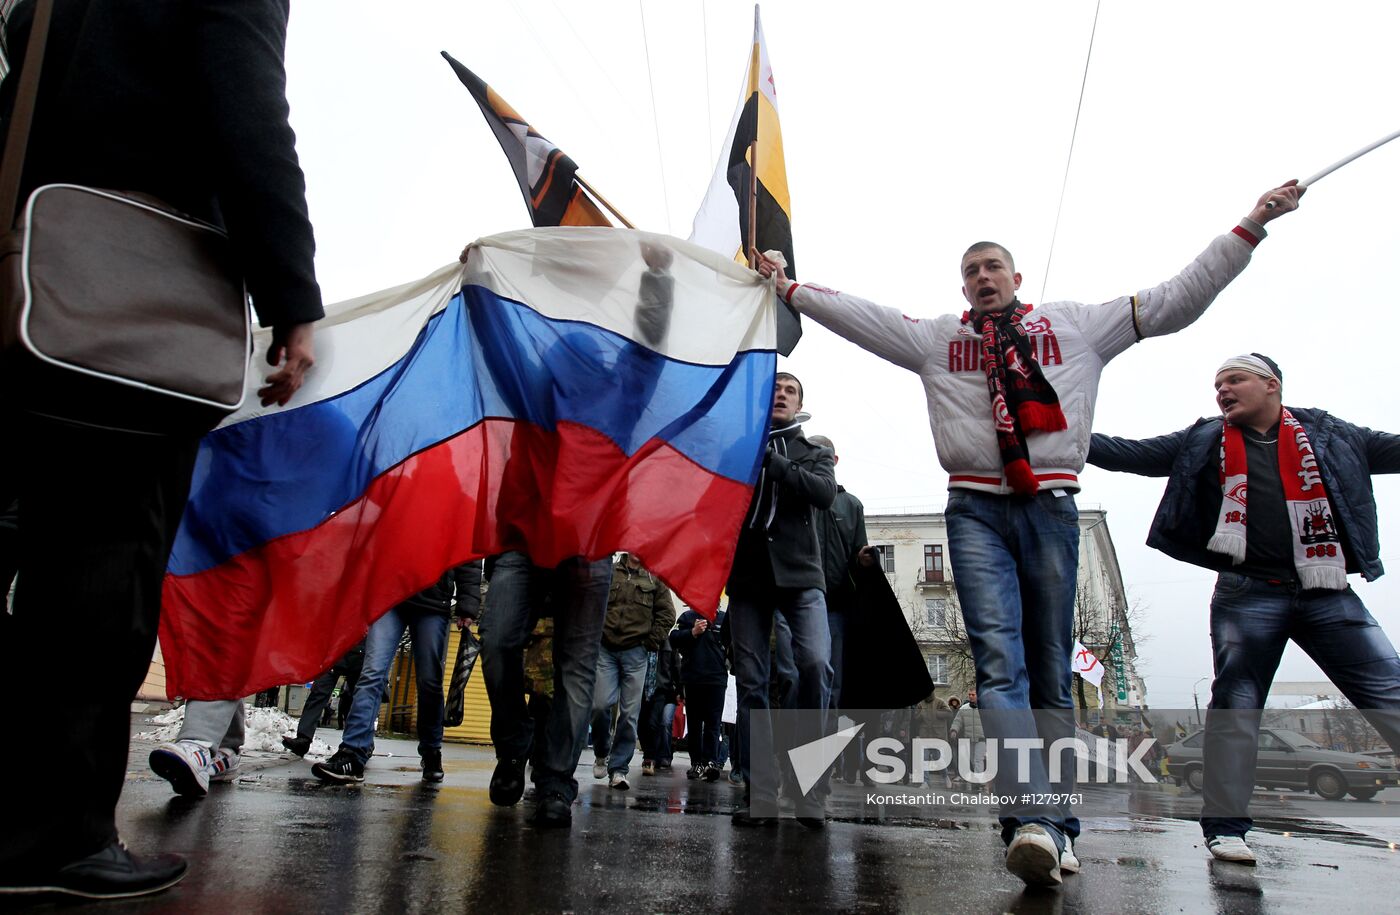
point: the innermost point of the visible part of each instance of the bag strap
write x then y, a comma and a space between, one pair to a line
17, 139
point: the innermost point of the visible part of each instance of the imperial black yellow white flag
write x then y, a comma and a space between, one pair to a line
546, 175
754, 145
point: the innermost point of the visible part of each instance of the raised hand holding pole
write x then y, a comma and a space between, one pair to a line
1303, 185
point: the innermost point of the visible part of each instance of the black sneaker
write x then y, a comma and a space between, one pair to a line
112, 873
711, 772
553, 812
432, 765
298, 744
342, 768
507, 782
693, 772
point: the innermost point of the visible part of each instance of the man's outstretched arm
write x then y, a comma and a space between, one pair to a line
1150, 457
1172, 305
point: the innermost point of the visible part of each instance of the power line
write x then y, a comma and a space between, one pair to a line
709, 107
1064, 183
655, 118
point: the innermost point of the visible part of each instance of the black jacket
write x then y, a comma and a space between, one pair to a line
1346, 454
702, 658
842, 533
184, 100
462, 582
668, 674
786, 551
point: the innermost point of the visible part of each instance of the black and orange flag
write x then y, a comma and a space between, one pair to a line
548, 178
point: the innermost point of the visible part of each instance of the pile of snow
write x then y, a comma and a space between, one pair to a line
264, 729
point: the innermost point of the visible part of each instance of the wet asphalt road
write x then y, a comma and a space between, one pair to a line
276, 840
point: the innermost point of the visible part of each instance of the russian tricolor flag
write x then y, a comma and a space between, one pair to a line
565, 392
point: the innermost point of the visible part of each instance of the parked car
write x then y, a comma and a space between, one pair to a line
1287, 759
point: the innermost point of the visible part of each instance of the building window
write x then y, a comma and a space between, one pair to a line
938, 669
886, 556
936, 610
933, 562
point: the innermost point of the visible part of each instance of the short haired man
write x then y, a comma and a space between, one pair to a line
1278, 501
1011, 396
778, 566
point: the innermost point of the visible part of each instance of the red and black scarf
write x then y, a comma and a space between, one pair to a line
1022, 400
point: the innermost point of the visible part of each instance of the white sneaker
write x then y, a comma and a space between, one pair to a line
600, 767
619, 781
1069, 862
185, 764
224, 767
1230, 848
1033, 857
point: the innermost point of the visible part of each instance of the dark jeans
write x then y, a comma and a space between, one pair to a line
321, 689
750, 622
654, 730
576, 591
98, 512
703, 707
1250, 623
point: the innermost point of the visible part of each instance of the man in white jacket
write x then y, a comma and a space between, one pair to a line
1011, 395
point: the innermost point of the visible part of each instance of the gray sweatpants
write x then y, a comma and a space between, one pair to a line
215, 724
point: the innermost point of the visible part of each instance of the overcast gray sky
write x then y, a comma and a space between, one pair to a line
910, 131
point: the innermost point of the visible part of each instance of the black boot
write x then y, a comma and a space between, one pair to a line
432, 765
298, 744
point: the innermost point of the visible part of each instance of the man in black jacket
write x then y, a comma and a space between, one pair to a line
778, 566
845, 546
1278, 500
184, 101
424, 615
700, 644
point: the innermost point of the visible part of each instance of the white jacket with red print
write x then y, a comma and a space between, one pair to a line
1073, 343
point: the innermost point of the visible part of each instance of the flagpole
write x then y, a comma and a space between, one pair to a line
1304, 185
753, 145
601, 199
753, 203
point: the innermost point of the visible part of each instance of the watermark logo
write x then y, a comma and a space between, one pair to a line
811, 760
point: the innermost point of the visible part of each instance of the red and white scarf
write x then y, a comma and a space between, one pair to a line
1317, 551
1022, 400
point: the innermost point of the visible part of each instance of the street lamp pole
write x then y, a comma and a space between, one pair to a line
1195, 699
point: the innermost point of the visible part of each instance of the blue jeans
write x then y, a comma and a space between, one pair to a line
785, 664
428, 629
576, 592
621, 676
750, 622
1251, 621
1016, 563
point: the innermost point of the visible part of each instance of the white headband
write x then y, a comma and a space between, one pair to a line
1249, 363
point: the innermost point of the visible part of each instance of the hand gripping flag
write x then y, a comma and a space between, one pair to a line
548, 178
739, 212
566, 392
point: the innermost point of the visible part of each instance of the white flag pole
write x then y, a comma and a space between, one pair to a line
1303, 185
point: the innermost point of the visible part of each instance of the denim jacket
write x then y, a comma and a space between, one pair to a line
1348, 455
